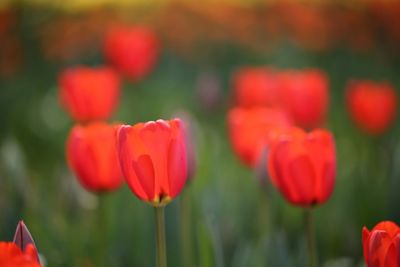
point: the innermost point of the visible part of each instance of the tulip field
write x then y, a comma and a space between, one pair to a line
231, 134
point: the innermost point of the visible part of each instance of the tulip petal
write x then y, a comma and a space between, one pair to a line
80, 158
144, 170
129, 144
277, 170
320, 142
155, 137
397, 245
327, 185
378, 246
365, 241
391, 257
177, 166
303, 179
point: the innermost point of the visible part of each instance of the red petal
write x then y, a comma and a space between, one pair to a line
177, 166
391, 257
379, 243
365, 242
128, 145
302, 177
144, 170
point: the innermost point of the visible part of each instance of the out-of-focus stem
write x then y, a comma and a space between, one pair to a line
309, 225
102, 257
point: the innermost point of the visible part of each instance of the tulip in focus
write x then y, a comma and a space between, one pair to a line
252, 130
303, 165
153, 159
92, 155
372, 105
382, 245
133, 51
305, 96
89, 93
256, 86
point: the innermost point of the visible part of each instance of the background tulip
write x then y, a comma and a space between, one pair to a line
92, 155
153, 159
305, 96
302, 166
372, 105
89, 93
256, 86
382, 245
132, 50
251, 131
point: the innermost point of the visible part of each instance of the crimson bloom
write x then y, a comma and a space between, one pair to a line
132, 50
89, 93
382, 245
256, 86
21, 252
305, 96
153, 159
372, 105
303, 165
92, 155
252, 130
12, 256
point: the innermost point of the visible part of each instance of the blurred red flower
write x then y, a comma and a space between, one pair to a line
92, 156
305, 96
132, 50
303, 166
372, 105
153, 159
251, 131
12, 256
89, 93
256, 86
382, 245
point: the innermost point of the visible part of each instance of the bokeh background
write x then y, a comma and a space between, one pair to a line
234, 221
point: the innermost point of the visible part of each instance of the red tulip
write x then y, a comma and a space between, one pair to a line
12, 256
132, 50
252, 130
153, 159
382, 245
89, 93
302, 166
305, 96
23, 239
92, 155
21, 252
256, 86
372, 105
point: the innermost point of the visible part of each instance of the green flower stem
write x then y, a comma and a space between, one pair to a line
102, 232
312, 252
160, 237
